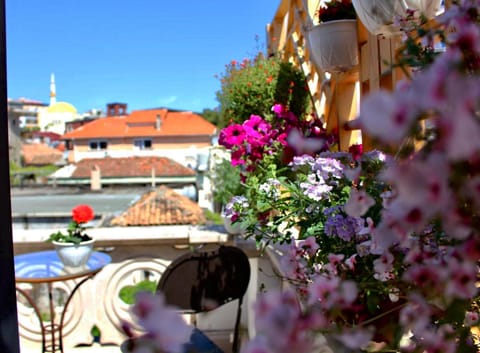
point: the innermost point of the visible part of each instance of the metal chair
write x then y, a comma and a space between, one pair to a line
202, 281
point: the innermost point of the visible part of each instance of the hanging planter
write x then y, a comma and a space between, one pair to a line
333, 45
378, 16
333, 42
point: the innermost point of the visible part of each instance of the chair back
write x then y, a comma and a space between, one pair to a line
202, 281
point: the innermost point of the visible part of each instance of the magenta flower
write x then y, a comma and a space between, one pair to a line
256, 127
232, 135
237, 156
278, 109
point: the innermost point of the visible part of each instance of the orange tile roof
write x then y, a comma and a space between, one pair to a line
40, 154
142, 123
131, 167
162, 206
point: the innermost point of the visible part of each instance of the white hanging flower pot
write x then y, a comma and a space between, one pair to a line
378, 16
334, 46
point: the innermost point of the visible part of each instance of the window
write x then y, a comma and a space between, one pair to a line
98, 145
142, 144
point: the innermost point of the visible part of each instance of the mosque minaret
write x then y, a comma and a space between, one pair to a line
57, 113
53, 90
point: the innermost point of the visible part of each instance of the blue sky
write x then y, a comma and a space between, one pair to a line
146, 53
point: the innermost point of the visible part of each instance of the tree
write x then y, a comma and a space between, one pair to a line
254, 86
214, 116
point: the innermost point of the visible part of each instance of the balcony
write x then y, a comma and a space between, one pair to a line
137, 253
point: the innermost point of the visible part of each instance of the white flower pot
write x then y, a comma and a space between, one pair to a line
378, 16
74, 255
334, 46
233, 229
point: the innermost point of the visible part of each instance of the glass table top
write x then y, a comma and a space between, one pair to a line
46, 266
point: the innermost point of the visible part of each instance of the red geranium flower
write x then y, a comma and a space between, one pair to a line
82, 214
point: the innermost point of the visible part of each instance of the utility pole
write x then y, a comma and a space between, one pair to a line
9, 341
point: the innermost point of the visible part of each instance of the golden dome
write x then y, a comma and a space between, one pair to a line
62, 107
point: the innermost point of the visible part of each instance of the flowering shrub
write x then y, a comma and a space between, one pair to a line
391, 256
336, 10
81, 214
384, 249
260, 143
253, 86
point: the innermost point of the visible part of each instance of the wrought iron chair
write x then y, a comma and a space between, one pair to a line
202, 281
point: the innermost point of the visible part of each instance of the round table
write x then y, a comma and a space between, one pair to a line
45, 267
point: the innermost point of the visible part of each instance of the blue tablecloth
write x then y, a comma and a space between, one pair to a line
47, 265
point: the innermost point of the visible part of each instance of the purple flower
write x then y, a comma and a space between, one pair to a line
328, 168
235, 207
339, 225
299, 161
316, 191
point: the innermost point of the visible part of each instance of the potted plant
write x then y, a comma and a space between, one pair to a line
333, 42
74, 246
379, 16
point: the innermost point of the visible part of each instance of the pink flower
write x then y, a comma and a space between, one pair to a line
237, 157
323, 290
387, 116
351, 261
304, 145
333, 261
256, 127
256, 345
279, 109
232, 135
427, 277
471, 318
309, 245
292, 264
355, 338
359, 202
279, 320
356, 151
416, 314
165, 327
332, 292
383, 267
462, 279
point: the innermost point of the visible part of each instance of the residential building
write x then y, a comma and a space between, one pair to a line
180, 135
22, 117
127, 171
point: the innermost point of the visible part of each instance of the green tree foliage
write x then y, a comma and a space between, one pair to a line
214, 116
254, 86
226, 179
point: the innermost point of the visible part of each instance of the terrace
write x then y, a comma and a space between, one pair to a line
139, 253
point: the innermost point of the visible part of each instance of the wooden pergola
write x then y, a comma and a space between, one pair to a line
336, 96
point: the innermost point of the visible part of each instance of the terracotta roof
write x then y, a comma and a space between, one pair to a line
40, 154
46, 134
162, 206
131, 167
142, 123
